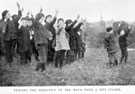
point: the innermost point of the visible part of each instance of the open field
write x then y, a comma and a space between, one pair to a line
91, 70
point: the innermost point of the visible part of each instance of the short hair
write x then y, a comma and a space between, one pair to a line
39, 16
4, 14
109, 29
68, 21
47, 17
60, 19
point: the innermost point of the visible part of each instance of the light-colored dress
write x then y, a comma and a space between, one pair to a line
62, 41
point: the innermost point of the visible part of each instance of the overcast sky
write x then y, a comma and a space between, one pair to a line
91, 9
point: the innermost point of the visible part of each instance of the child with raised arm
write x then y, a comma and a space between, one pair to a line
62, 43
72, 42
123, 41
10, 32
41, 37
49, 25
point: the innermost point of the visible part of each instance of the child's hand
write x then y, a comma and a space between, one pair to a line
85, 20
56, 12
5, 20
64, 26
41, 10
129, 26
82, 20
50, 38
28, 13
18, 5
22, 9
78, 16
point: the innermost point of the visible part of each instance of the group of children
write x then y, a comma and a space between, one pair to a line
115, 40
53, 42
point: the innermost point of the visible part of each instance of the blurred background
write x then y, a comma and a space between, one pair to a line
91, 9
99, 13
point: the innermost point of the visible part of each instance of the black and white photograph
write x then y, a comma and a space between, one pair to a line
67, 43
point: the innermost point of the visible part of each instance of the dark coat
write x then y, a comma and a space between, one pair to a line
80, 43
17, 18
2, 28
41, 35
2, 25
77, 37
111, 43
123, 39
23, 39
50, 27
11, 27
72, 38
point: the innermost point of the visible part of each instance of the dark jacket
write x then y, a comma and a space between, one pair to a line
50, 27
11, 27
111, 43
41, 35
77, 37
123, 39
16, 19
2, 25
2, 28
79, 40
23, 39
72, 38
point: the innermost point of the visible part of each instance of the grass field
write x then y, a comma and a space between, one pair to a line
91, 70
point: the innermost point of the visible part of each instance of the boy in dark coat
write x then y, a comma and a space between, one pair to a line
10, 33
77, 39
72, 39
41, 36
33, 48
24, 41
111, 43
123, 42
81, 43
49, 25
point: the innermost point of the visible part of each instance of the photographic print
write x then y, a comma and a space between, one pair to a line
67, 43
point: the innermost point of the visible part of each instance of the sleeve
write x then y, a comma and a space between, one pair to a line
71, 26
49, 34
54, 20
58, 31
78, 27
18, 16
106, 41
4, 28
127, 33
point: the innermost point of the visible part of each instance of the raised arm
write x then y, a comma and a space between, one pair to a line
32, 17
55, 17
72, 25
79, 25
28, 13
41, 10
16, 19
128, 31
